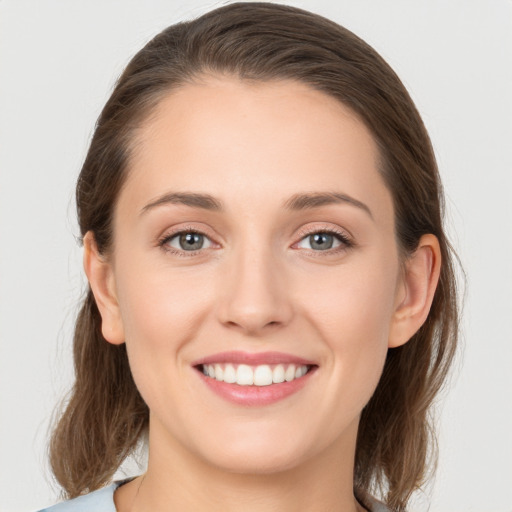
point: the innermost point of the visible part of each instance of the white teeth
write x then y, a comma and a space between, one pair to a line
261, 375
300, 371
229, 374
289, 374
278, 374
219, 372
244, 375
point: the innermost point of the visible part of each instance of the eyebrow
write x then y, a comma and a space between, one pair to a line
297, 202
316, 199
194, 200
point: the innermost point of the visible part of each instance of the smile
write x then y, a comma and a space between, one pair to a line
254, 379
261, 375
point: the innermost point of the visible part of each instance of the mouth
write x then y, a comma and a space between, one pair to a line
258, 375
254, 379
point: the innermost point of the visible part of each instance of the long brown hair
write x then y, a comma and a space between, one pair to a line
105, 416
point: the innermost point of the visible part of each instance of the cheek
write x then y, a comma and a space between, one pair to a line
157, 305
356, 302
161, 314
352, 309
158, 323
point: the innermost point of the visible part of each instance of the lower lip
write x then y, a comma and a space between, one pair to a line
255, 396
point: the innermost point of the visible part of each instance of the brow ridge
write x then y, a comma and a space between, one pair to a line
297, 202
192, 199
317, 199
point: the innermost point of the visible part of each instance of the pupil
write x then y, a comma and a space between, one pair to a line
191, 241
321, 241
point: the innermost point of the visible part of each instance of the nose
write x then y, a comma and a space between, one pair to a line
255, 298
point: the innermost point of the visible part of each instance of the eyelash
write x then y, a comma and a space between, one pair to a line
163, 242
346, 241
343, 238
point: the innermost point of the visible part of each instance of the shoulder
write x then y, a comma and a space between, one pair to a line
101, 500
377, 506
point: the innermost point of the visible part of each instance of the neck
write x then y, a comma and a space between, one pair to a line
177, 480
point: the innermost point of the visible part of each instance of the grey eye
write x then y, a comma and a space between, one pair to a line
319, 241
189, 241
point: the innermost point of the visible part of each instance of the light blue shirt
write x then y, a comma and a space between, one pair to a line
101, 500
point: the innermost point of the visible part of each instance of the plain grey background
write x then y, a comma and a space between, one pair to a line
58, 62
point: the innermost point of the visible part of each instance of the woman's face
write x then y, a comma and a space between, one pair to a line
254, 239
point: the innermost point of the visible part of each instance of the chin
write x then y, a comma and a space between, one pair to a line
258, 455
257, 463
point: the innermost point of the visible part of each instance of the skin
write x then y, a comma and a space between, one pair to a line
256, 285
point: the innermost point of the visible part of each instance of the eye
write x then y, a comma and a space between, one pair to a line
323, 241
187, 241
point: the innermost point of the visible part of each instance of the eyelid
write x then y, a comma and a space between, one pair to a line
170, 239
346, 239
342, 235
171, 233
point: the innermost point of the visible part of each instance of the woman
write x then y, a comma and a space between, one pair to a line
272, 298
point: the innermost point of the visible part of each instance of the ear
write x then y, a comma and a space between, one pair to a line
101, 280
416, 291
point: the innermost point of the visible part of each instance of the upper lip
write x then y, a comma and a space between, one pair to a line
253, 359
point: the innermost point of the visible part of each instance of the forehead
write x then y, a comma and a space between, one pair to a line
253, 141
